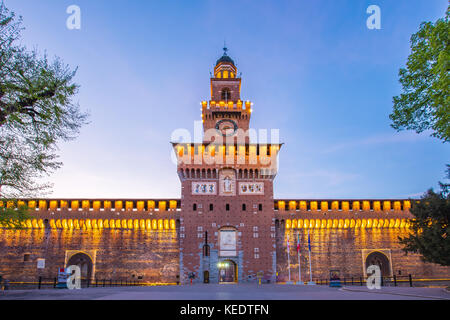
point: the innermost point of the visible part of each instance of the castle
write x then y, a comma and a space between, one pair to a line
226, 227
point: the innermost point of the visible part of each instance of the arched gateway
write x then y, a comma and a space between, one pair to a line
85, 263
379, 259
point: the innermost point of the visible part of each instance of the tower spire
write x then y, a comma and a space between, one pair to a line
225, 49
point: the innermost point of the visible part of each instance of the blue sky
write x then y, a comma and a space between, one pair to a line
312, 68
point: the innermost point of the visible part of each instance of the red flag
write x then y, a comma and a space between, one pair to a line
298, 243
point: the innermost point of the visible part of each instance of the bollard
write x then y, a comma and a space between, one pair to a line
39, 283
410, 281
395, 280
360, 281
54, 283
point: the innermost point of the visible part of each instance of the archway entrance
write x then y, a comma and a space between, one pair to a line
85, 263
228, 272
379, 259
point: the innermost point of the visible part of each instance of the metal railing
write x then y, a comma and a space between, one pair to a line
391, 281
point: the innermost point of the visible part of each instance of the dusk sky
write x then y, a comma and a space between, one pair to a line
312, 69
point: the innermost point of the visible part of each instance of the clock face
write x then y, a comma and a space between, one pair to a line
226, 127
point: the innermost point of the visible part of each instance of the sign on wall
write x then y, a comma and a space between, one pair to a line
41, 263
251, 188
204, 188
227, 243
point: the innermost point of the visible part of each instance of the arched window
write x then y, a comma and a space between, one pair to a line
226, 94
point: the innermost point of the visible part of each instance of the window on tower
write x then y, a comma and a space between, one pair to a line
225, 74
226, 94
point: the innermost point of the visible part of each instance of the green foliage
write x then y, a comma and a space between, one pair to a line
13, 217
36, 112
430, 236
425, 101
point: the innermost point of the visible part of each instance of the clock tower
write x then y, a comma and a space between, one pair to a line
227, 220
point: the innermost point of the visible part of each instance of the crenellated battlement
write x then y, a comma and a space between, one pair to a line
98, 205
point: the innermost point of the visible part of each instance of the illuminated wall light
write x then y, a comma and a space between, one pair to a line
303, 205
118, 205
64, 204
288, 223
52, 223
88, 224
70, 223
329, 223
75, 205
42, 205
346, 223
386, 223
129, 206
363, 223
324, 224
376, 206
82, 224
142, 224
173, 204
136, 224
366, 205
335, 205
129, 225
386, 206
160, 224
85, 205
31, 205
107, 205
358, 223
96, 205
173, 225
112, 224
403, 223
318, 223
155, 224
406, 205
58, 224
345, 206
29, 224
313, 205
306, 224
369, 223
151, 205
341, 224
392, 223
397, 223
166, 224
281, 205
162, 206
148, 224
294, 223
64, 224
397, 206
324, 206
94, 224
41, 224
335, 223
375, 223
292, 205
53, 205
300, 223
352, 223
76, 224
356, 206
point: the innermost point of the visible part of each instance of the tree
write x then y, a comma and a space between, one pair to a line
425, 101
36, 112
430, 236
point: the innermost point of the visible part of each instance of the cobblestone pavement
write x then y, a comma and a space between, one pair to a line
230, 292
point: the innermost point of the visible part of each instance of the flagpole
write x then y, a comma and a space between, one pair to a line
310, 269
289, 260
298, 256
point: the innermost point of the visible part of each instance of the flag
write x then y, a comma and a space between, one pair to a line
287, 242
309, 242
298, 243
